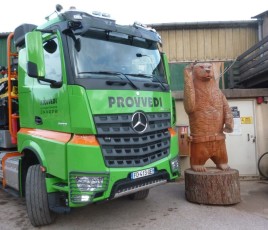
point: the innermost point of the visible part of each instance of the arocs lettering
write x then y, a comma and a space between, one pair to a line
52, 101
135, 101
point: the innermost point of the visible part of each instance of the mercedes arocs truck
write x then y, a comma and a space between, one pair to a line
87, 113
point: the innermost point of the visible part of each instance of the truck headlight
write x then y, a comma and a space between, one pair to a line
89, 183
174, 164
85, 185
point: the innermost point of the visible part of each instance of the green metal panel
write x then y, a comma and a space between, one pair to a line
3, 51
176, 70
227, 75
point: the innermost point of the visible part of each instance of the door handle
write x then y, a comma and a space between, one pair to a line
253, 138
38, 120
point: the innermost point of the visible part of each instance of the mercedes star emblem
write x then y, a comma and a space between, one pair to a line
139, 122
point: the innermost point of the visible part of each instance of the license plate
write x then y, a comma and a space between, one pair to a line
142, 173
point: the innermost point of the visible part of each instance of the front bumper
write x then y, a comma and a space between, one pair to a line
126, 186
117, 183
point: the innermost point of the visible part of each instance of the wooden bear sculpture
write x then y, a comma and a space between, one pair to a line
209, 116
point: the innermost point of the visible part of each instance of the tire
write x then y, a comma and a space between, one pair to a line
263, 165
36, 197
140, 195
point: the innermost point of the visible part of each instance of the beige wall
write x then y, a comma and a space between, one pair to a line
261, 119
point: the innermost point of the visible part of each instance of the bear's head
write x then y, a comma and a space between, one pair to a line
203, 71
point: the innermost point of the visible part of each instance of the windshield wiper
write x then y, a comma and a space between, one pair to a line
151, 76
161, 83
115, 73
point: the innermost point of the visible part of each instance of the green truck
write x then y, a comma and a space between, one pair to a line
87, 114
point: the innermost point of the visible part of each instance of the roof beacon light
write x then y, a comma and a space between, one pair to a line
101, 14
138, 24
141, 25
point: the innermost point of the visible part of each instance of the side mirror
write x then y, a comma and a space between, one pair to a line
166, 66
35, 54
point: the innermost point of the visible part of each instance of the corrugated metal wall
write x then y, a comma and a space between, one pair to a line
184, 45
205, 41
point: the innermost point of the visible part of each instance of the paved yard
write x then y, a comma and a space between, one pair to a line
165, 208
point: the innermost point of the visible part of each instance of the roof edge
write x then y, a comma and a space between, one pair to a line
212, 24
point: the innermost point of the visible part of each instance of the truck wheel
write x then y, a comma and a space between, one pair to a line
140, 195
36, 197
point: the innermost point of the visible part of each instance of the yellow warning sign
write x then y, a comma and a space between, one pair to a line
246, 120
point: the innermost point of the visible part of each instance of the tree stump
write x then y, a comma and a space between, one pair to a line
214, 187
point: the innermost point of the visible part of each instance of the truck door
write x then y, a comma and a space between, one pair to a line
51, 110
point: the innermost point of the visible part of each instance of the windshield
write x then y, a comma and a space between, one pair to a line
100, 52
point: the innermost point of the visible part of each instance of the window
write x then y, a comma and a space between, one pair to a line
52, 60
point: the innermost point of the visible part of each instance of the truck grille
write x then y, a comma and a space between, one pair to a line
123, 147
